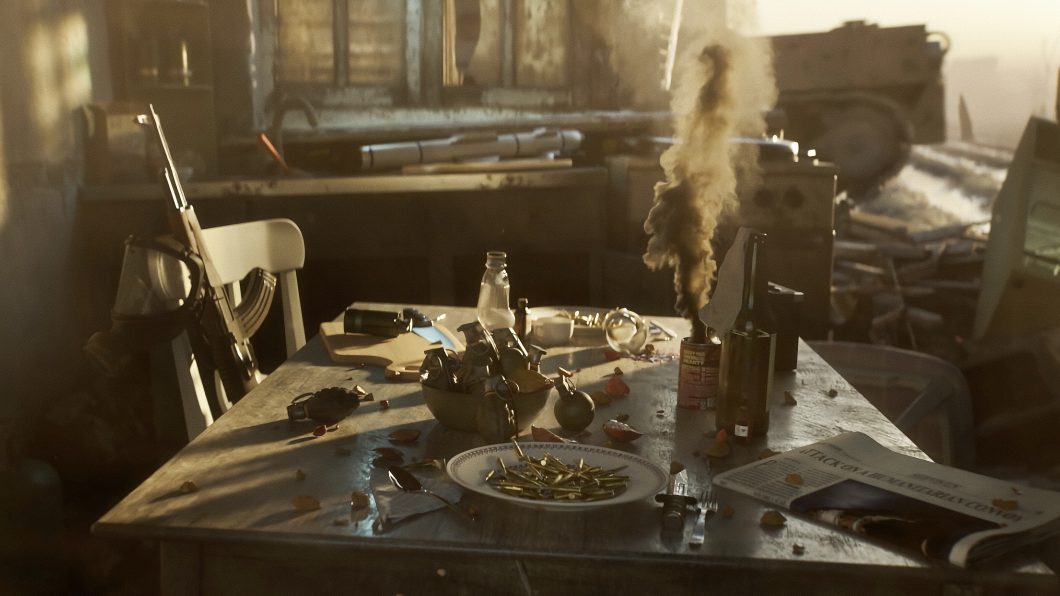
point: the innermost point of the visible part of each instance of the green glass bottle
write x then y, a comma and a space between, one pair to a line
747, 353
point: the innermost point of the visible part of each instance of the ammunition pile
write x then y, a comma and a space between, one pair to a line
550, 479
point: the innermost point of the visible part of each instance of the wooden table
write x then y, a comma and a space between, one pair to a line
240, 533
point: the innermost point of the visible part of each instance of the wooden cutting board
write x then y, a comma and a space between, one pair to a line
401, 356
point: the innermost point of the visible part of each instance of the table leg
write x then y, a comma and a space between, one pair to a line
181, 570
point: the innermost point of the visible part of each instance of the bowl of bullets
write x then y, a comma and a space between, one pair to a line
496, 364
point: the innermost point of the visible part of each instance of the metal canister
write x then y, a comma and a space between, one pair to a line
697, 376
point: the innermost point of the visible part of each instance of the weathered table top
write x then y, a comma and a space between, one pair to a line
245, 468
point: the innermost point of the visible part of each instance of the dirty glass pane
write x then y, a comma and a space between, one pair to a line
542, 36
376, 49
305, 53
1042, 237
472, 43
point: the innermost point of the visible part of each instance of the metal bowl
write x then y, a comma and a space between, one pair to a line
458, 410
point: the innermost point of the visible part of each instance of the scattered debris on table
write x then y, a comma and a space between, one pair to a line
404, 435
320, 430
358, 500
832, 392
621, 432
305, 503
616, 387
601, 398
188, 487
1005, 504
772, 519
798, 549
793, 479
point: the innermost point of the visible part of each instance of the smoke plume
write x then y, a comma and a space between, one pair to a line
720, 93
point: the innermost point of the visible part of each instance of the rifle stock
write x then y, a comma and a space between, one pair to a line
217, 322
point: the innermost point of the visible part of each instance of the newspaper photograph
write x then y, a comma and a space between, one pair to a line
853, 482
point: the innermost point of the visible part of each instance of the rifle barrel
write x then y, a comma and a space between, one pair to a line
176, 192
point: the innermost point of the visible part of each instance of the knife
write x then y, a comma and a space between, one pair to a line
675, 502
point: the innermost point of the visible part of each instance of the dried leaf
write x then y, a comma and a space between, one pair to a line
343, 451
320, 430
718, 450
385, 404
405, 435
601, 398
389, 453
793, 479
676, 467
545, 436
772, 519
299, 475
727, 512
649, 350
305, 503
798, 548
832, 392
766, 453
1005, 504
358, 500
621, 432
437, 464
616, 387
789, 399
188, 487
618, 370
611, 355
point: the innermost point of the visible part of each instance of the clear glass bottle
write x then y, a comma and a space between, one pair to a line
493, 310
747, 352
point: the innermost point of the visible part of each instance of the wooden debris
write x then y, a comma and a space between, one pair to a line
772, 519
305, 503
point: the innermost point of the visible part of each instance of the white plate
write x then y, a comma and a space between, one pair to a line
469, 469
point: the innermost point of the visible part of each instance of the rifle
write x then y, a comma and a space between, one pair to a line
224, 330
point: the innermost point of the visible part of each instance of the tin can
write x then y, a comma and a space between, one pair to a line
697, 376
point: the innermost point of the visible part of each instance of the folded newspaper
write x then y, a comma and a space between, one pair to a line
945, 513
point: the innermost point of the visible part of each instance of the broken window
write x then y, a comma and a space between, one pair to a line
340, 42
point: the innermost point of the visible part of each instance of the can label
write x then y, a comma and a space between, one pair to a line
742, 430
697, 377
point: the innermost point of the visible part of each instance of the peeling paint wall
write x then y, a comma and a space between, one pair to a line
51, 63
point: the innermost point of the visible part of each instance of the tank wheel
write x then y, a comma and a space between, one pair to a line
867, 143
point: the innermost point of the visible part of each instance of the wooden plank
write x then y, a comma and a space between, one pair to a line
590, 177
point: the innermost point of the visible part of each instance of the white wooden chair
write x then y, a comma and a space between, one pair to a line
275, 245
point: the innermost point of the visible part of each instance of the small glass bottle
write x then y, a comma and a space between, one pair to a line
523, 325
745, 383
493, 310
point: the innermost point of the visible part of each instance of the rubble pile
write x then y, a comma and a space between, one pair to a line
897, 285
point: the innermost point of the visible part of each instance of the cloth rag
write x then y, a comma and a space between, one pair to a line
395, 504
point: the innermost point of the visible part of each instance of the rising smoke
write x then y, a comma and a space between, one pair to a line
720, 91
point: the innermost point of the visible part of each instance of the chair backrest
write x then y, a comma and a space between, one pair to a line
926, 397
275, 245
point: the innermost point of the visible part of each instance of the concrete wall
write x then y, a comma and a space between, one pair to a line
53, 59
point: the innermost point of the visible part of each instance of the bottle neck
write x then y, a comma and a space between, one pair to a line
496, 260
752, 309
